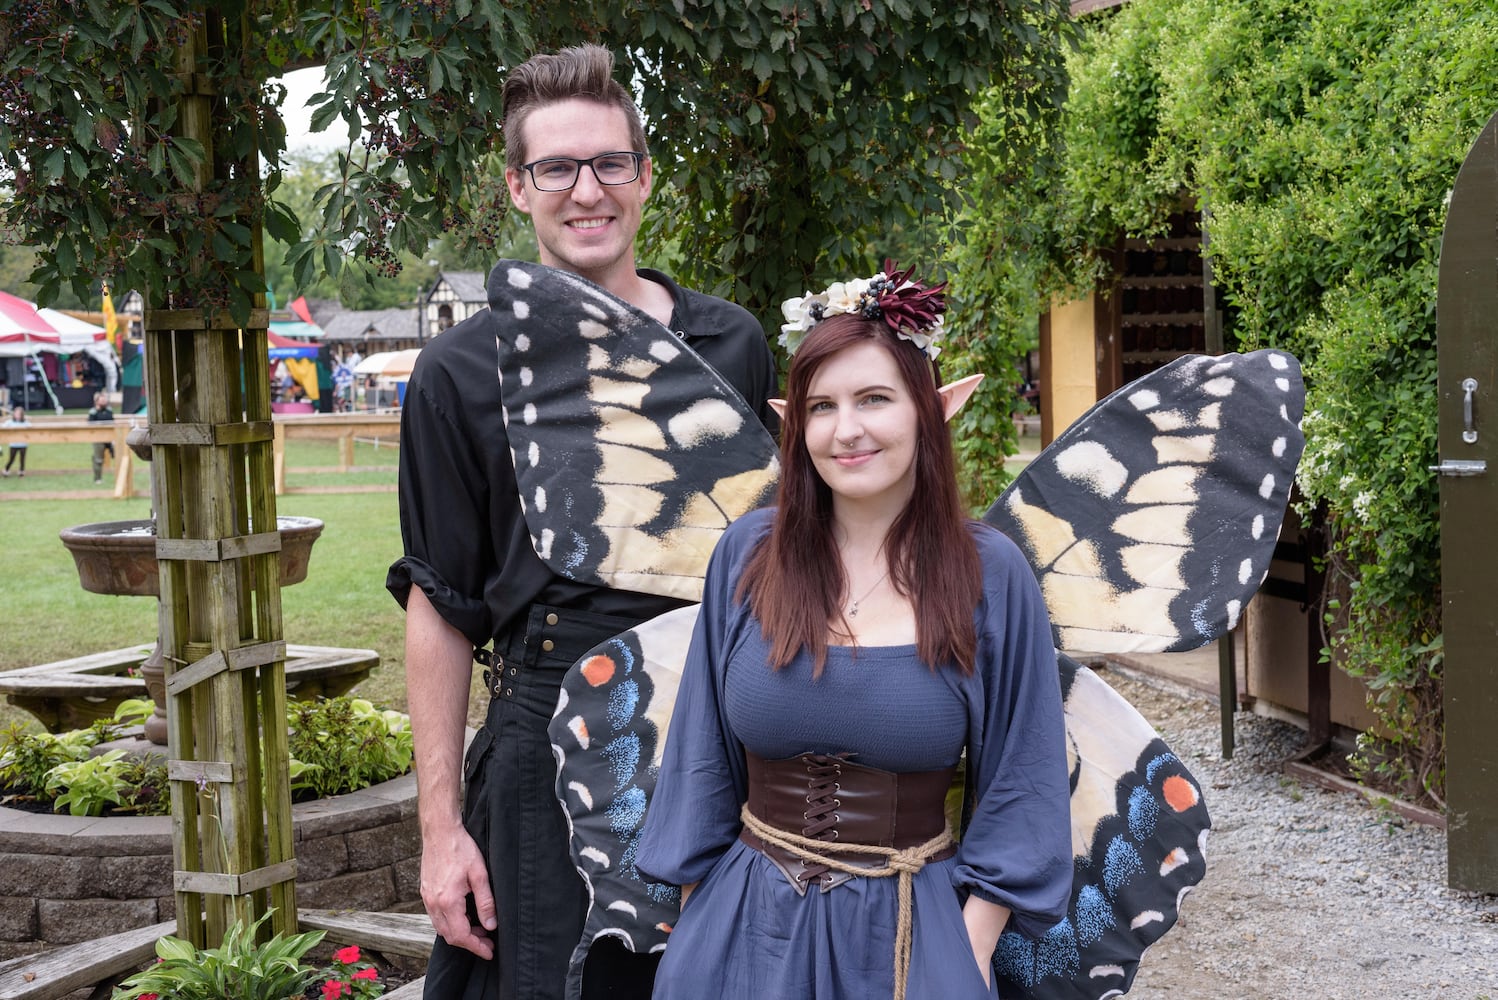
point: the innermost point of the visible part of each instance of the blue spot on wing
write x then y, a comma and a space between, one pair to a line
623, 655
626, 812
1157, 763
660, 893
622, 702
1144, 812
623, 755
1094, 914
578, 553
1027, 962
1120, 865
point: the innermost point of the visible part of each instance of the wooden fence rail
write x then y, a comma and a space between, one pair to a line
345, 428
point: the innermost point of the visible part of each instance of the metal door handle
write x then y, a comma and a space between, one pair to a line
1469, 433
1460, 467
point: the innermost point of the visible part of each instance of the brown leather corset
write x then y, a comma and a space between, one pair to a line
832, 799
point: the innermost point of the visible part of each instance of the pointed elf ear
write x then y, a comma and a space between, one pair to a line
954, 394
778, 405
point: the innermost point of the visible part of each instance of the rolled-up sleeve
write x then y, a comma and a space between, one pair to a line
444, 503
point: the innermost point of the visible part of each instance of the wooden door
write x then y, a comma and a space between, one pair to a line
1467, 311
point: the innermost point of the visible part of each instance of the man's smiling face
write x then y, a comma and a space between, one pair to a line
590, 229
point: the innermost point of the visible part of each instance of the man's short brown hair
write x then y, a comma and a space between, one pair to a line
582, 72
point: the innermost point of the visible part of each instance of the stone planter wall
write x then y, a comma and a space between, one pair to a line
65, 879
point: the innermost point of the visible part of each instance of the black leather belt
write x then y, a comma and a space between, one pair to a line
553, 639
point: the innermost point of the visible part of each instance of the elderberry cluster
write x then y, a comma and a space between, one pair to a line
28, 21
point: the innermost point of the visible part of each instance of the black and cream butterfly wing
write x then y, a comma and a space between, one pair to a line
1151, 520
632, 455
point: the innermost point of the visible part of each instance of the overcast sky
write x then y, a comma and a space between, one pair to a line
299, 86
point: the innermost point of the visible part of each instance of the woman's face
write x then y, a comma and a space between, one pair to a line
861, 427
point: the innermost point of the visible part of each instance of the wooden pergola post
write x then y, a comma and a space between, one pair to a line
217, 547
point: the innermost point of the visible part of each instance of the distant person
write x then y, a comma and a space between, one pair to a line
17, 448
101, 412
325, 381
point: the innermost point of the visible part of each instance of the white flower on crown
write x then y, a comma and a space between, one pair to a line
801, 315
925, 339
847, 296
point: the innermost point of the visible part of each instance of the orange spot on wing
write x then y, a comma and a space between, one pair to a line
663, 927
599, 670
1180, 793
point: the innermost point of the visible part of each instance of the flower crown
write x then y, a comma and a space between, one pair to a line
913, 311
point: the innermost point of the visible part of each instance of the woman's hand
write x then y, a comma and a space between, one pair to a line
985, 922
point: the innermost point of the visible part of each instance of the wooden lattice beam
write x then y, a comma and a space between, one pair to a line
218, 555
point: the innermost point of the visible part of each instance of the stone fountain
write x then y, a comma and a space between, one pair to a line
119, 558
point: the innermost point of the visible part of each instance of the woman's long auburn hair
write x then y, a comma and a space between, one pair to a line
794, 579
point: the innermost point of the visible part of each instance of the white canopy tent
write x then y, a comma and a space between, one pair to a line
26, 331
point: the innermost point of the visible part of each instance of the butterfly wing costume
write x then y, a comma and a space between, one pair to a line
1149, 524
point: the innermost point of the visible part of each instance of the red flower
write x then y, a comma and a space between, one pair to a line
334, 988
147, 996
349, 955
367, 974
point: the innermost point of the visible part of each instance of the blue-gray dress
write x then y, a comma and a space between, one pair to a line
745, 932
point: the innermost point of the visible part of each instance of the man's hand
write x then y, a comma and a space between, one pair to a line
439, 667
452, 871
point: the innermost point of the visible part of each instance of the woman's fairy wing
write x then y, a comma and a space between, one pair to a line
631, 454
1151, 520
1139, 838
607, 735
1157, 510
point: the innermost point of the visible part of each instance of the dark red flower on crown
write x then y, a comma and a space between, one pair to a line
906, 303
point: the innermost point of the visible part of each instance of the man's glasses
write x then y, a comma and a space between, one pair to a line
560, 173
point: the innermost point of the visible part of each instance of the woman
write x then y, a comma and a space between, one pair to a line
852, 643
17, 448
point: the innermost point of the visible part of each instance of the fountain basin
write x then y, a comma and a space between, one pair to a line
75, 693
119, 557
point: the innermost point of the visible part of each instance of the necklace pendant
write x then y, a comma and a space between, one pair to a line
853, 610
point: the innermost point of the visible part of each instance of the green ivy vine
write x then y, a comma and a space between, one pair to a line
1322, 137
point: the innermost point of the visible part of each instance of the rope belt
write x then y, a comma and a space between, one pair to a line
901, 862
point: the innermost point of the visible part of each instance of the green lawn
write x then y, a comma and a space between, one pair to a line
342, 602
55, 468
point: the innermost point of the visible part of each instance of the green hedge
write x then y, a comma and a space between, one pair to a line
1322, 137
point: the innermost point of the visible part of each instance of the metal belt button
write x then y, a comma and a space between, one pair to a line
548, 645
551, 618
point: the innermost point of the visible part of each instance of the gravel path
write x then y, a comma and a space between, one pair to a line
1309, 893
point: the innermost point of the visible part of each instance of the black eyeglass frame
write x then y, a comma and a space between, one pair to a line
578, 165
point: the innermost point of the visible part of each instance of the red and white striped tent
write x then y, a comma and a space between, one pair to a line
25, 329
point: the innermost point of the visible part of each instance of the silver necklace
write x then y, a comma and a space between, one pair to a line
853, 608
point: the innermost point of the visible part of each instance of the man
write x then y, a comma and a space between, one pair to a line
101, 412
497, 879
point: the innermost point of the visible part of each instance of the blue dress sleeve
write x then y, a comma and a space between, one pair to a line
693, 816
1016, 850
